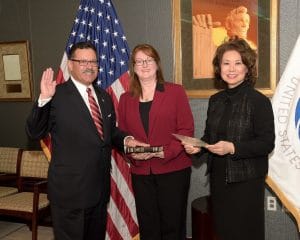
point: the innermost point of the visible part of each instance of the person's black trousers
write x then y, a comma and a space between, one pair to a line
79, 224
161, 202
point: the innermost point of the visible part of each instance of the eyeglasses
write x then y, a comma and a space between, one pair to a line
84, 63
140, 62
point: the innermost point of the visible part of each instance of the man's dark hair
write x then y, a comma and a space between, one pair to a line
81, 45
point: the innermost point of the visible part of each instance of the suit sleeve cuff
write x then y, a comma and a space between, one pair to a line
124, 141
43, 102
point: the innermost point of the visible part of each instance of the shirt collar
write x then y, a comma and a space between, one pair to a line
81, 87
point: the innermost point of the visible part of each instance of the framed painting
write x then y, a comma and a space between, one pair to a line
200, 26
15, 71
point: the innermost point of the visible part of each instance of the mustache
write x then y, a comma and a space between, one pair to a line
89, 71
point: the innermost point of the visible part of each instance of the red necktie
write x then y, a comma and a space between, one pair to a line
96, 115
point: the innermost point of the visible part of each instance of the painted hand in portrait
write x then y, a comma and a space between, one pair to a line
208, 34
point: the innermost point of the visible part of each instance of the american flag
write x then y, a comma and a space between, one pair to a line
97, 21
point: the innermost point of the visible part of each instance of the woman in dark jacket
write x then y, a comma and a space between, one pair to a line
239, 134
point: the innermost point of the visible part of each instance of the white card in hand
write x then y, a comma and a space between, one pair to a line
196, 142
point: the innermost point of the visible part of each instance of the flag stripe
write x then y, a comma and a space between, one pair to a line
64, 70
123, 210
119, 87
111, 229
125, 189
114, 99
123, 167
46, 146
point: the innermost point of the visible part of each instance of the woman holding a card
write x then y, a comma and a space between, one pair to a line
239, 134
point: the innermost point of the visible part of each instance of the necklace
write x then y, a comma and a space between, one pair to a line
148, 93
146, 99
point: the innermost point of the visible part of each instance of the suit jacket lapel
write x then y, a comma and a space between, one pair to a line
83, 111
158, 100
76, 98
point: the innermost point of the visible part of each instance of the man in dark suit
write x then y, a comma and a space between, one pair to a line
79, 171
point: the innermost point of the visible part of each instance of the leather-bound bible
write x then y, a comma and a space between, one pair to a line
140, 149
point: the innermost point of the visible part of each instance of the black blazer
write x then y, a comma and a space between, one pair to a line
79, 172
249, 125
